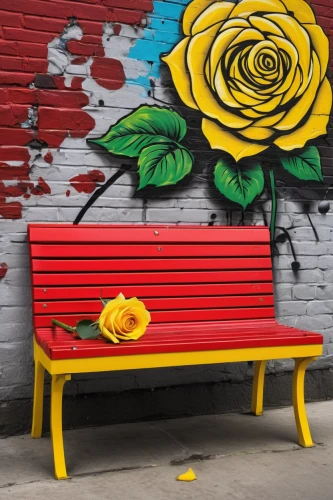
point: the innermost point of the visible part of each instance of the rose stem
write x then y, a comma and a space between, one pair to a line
62, 325
273, 210
123, 168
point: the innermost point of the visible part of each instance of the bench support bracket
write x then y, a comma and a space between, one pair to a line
258, 388
302, 424
57, 386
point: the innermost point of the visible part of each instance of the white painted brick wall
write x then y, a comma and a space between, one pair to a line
304, 300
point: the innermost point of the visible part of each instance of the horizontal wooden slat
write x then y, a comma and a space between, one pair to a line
66, 225
140, 251
88, 306
161, 339
238, 327
276, 335
68, 341
145, 278
116, 265
213, 325
145, 234
83, 292
186, 347
174, 316
59, 337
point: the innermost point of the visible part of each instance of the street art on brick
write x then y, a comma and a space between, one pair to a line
201, 112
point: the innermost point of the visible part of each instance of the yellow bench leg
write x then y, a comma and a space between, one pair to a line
57, 386
302, 424
258, 388
37, 412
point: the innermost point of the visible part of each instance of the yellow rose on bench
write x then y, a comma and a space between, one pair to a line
123, 319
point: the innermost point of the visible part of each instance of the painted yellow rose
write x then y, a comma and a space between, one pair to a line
123, 319
256, 70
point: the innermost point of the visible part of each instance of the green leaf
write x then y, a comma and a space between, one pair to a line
305, 165
145, 126
87, 330
241, 185
164, 165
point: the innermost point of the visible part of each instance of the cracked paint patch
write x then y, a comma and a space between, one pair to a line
3, 270
87, 183
48, 157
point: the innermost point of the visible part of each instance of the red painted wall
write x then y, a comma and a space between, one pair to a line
27, 26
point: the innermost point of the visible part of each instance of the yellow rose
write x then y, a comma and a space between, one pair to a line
123, 319
256, 70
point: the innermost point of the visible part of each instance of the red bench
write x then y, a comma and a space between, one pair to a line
209, 291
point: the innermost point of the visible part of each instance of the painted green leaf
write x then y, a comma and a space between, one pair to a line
145, 126
87, 329
240, 185
164, 165
305, 165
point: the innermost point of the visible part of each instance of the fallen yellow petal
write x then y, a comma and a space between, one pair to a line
187, 476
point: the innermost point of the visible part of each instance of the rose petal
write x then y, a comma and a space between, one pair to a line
224, 92
192, 12
226, 141
315, 126
248, 35
296, 113
291, 93
220, 46
255, 133
321, 46
299, 38
235, 23
301, 9
251, 113
179, 72
108, 335
286, 46
247, 91
268, 121
205, 99
110, 306
265, 25
117, 324
218, 11
269, 106
245, 8
258, 52
245, 100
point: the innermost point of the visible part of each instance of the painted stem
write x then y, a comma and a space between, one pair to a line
100, 191
274, 206
62, 325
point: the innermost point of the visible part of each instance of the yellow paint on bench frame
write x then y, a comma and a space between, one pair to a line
61, 371
143, 361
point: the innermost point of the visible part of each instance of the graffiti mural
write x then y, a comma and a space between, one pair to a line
256, 71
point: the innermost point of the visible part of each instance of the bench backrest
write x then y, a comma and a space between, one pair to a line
182, 273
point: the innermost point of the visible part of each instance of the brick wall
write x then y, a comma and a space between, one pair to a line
70, 69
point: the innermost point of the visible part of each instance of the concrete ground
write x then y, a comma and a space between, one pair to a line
234, 456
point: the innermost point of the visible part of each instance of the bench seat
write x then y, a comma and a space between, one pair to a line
181, 337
